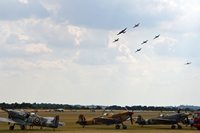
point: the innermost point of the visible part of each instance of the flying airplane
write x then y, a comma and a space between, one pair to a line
156, 36
170, 119
24, 118
107, 119
144, 42
188, 63
136, 25
138, 50
122, 31
116, 40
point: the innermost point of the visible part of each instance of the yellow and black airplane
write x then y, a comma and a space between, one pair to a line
107, 119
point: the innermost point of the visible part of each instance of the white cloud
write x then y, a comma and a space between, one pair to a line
24, 1
32, 48
22, 37
50, 64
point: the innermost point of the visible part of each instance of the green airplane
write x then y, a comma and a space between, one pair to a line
168, 119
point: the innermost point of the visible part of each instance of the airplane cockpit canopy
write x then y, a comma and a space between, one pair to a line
161, 115
32, 114
105, 114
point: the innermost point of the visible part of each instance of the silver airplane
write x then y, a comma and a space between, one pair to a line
24, 118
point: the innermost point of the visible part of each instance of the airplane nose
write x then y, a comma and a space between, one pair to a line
130, 113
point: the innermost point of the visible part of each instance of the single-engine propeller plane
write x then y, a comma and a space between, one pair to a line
107, 119
170, 119
188, 63
136, 25
24, 118
122, 31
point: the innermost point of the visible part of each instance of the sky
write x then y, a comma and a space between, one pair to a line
62, 51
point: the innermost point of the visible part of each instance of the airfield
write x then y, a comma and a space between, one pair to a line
70, 119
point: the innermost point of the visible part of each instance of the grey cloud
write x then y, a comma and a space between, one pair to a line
12, 39
108, 15
15, 10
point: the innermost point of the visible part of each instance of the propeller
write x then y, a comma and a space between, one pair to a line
16, 104
131, 119
9, 117
188, 121
130, 114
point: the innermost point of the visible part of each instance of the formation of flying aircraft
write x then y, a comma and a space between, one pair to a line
24, 118
171, 119
107, 119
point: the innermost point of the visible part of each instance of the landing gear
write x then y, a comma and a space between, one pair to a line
12, 127
117, 126
124, 127
179, 127
173, 127
22, 127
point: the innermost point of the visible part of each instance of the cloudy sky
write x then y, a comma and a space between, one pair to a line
62, 51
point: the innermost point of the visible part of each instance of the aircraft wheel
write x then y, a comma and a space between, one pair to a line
173, 127
117, 126
11, 127
179, 127
22, 127
124, 127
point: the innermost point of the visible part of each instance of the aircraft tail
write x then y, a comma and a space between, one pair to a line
55, 121
140, 120
81, 120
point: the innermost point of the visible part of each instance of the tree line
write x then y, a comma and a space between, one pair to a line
24, 105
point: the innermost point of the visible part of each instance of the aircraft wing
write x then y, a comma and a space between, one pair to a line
51, 118
16, 121
108, 121
160, 120
7, 120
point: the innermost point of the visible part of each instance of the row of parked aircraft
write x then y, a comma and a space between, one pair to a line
24, 118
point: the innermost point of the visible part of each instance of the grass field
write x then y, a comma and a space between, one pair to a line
70, 119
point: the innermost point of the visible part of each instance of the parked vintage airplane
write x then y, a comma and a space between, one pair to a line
170, 119
59, 110
107, 119
24, 118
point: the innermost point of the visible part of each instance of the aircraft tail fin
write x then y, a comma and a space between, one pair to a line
56, 121
140, 120
81, 120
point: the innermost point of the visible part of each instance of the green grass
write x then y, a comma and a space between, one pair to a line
70, 119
